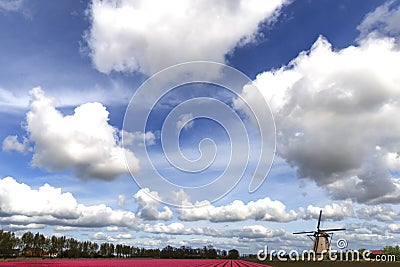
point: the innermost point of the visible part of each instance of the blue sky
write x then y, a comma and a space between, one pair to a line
327, 70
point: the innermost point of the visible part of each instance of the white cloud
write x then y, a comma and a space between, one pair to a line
20, 199
394, 228
24, 208
102, 237
258, 231
11, 143
173, 228
148, 206
83, 142
185, 122
22, 205
383, 21
384, 213
147, 36
332, 109
263, 209
245, 232
140, 138
112, 228
11, 5
334, 211
64, 228
393, 161
30, 226
121, 200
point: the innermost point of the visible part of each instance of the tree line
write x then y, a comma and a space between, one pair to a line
38, 245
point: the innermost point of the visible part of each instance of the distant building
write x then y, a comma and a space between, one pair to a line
376, 252
33, 252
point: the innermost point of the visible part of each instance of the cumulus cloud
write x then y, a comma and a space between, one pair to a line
175, 228
22, 205
139, 138
20, 199
384, 213
24, 208
103, 237
263, 209
185, 122
383, 21
11, 143
394, 228
84, 141
147, 36
148, 206
245, 232
335, 112
335, 212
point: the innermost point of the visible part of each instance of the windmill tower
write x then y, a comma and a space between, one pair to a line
322, 237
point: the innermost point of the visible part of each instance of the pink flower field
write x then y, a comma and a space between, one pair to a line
132, 262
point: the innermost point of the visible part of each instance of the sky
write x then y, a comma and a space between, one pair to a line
231, 123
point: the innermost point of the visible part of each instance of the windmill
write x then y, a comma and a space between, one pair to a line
322, 237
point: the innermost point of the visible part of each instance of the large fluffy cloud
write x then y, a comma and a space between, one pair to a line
84, 141
146, 36
336, 115
334, 211
20, 199
148, 206
263, 209
21, 205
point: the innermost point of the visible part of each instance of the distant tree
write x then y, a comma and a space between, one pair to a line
233, 254
103, 249
7, 243
167, 252
27, 240
223, 254
390, 250
39, 245
111, 250
211, 252
361, 250
126, 251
